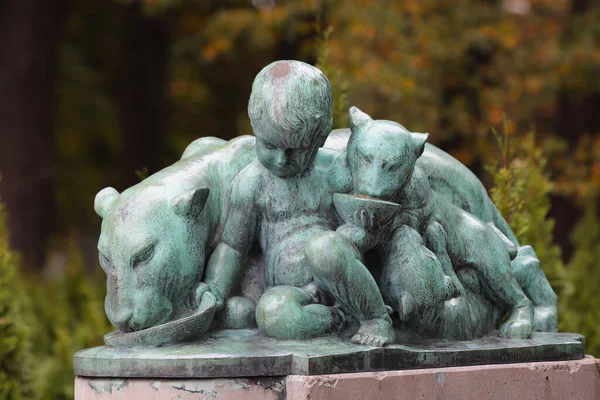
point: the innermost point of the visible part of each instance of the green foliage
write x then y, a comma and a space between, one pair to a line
582, 303
338, 84
43, 322
448, 68
67, 315
445, 67
142, 173
15, 359
521, 191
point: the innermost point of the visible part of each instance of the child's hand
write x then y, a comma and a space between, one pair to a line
361, 238
203, 288
365, 220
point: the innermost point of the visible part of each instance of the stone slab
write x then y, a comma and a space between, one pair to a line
246, 353
577, 379
545, 380
180, 389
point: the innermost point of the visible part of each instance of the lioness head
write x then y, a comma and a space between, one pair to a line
381, 155
150, 251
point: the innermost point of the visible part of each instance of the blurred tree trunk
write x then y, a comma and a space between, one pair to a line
579, 6
29, 32
143, 91
577, 115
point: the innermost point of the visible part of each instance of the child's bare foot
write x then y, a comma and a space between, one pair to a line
519, 324
375, 332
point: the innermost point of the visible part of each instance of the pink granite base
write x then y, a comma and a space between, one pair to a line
545, 380
180, 389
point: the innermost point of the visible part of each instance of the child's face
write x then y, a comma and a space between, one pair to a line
281, 155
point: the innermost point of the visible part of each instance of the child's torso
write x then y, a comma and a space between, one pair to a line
291, 211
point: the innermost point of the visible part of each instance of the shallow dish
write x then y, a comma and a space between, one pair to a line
378, 212
180, 330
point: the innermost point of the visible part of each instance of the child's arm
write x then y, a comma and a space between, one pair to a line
227, 259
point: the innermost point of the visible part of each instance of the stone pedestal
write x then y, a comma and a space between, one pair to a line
244, 353
577, 379
243, 364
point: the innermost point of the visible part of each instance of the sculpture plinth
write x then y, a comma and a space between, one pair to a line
239, 353
578, 379
303, 251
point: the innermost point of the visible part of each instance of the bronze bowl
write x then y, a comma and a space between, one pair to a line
180, 330
354, 208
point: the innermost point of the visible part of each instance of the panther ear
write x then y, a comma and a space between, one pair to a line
358, 118
104, 199
192, 203
419, 140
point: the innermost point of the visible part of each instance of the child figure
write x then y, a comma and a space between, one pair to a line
381, 156
284, 199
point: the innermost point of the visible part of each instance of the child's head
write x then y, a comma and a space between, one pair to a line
290, 110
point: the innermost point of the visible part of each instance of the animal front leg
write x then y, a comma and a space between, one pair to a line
436, 240
527, 270
487, 253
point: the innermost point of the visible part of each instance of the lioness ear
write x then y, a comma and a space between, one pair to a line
104, 199
358, 118
419, 140
192, 203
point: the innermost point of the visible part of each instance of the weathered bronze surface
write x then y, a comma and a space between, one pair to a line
333, 244
233, 353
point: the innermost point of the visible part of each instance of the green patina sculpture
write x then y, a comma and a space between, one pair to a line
382, 156
156, 235
304, 232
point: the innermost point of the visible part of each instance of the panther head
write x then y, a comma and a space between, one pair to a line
381, 155
151, 251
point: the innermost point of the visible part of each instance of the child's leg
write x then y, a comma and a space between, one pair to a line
287, 312
337, 269
479, 246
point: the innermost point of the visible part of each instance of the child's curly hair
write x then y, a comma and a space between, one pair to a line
293, 97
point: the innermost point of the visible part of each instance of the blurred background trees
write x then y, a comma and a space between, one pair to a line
101, 93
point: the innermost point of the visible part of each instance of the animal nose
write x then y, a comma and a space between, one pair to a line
372, 190
121, 319
375, 193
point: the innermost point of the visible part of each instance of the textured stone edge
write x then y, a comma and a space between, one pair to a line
576, 379
94, 363
270, 388
390, 359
